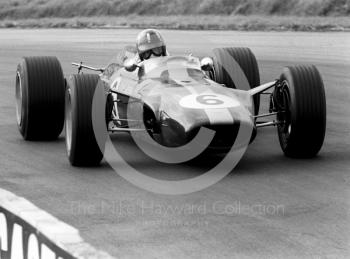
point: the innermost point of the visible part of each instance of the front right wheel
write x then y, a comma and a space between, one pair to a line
81, 144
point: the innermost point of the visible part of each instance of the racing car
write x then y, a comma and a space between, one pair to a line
170, 98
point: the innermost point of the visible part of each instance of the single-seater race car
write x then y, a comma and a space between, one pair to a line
172, 97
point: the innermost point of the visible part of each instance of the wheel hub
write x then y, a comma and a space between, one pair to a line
283, 107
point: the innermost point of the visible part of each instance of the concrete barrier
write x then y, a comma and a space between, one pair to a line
27, 232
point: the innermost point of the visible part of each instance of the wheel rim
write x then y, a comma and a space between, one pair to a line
68, 121
284, 115
19, 98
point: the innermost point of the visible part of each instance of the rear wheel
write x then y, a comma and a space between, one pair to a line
81, 144
226, 72
40, 90
301, 104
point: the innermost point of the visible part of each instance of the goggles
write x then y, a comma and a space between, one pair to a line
155, 51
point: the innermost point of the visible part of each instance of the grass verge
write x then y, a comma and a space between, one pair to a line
198, 22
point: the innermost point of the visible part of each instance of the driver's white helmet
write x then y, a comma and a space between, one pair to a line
150, 42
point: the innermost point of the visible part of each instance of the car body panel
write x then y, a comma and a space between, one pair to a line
181, 97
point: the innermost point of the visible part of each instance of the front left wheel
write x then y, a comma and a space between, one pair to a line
301, 102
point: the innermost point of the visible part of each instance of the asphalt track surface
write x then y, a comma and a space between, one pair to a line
303, 204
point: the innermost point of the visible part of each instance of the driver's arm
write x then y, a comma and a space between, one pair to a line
131, 64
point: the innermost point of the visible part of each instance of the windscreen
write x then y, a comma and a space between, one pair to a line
179, 68
117, 61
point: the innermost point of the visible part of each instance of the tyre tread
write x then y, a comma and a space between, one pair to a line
43, 81
308, 111
248, 63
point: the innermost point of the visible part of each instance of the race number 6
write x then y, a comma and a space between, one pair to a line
208, 101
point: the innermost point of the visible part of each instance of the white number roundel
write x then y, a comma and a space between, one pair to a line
207, 101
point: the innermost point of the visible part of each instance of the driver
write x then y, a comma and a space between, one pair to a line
149, 44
